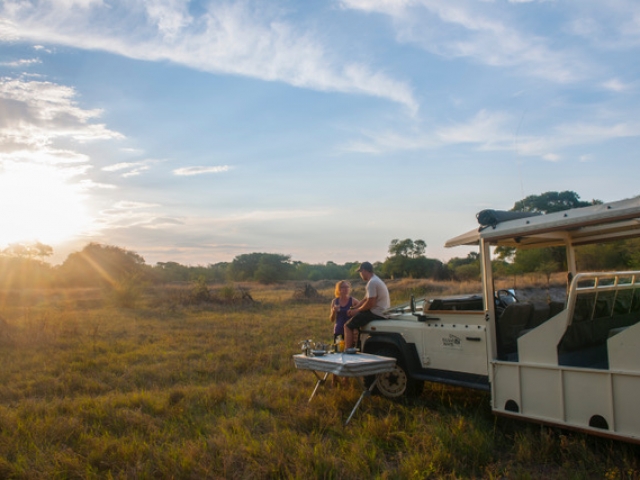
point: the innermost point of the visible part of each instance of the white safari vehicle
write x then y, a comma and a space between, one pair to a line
574, 364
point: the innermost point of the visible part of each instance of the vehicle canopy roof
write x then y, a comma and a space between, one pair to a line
576, 226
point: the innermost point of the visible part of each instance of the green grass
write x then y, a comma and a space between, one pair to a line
89, 390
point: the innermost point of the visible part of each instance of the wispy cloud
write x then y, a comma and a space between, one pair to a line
487, 129
616, 85
494, 131
271, 215
129, 169
36, 116
127, 205
551, 157
121, 166
244, 38
480, 31
127, 214
24, 62
189, 171
607, 25
43, 111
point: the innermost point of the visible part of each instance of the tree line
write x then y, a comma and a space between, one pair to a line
24, 266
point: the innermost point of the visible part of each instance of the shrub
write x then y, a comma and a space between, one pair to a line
127, 291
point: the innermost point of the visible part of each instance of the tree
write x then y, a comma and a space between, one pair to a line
171, 272
262, 267
99, 265
408, 260
465, 268
550, 202
28, 250
407, 248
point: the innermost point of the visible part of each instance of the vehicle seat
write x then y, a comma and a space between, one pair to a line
513, 320
539, 315
555, 308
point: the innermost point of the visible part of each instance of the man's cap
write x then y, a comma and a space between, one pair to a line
366, 266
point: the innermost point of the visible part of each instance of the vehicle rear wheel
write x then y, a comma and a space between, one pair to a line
396, 383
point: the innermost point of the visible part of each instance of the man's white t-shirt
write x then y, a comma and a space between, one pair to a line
376, 288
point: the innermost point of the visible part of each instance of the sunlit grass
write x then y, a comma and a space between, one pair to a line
91, 390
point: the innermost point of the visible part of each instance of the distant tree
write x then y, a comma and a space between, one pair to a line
327, 271
22, 272
217, 273
407, 259
619, 255
98, 264
550, 202
171, 272
396, 266
262, 267
633, 247
465, 268
28, 250
407, 248
467, 272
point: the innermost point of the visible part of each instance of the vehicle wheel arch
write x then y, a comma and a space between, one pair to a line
408, 351
394, 345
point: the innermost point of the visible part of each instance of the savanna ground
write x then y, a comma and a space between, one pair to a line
174, 389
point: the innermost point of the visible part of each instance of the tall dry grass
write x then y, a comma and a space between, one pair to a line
175, 390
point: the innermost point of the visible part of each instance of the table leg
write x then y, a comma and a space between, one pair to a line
366, 392
320, 381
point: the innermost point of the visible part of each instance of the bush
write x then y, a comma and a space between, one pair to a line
127, 291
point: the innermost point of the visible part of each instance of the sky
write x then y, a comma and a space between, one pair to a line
196, 131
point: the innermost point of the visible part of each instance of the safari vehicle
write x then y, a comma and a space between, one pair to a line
574, 364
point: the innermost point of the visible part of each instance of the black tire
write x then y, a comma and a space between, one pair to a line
397, 383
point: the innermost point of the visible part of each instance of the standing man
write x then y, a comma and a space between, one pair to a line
371, 307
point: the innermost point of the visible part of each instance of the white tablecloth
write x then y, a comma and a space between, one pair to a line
346, 364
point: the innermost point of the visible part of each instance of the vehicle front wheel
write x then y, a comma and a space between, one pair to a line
396, 383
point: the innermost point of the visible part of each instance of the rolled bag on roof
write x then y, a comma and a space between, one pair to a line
491, 218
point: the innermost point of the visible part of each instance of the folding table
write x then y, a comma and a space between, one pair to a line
346, 365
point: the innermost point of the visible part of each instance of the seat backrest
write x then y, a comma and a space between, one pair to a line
555, 308
513, 320
539, 315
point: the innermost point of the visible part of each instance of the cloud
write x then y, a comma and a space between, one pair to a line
163, 222
486, 128
607, 25
189, 171
25, 62
125, 215
271, 215
243, 38
128, 205
615, 85
37, 113
130, 169
494, 131
480, 31
121, 166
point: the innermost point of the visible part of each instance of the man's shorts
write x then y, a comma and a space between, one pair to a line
361, 319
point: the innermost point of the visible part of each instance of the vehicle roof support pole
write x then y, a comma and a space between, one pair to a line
571, 263
489, 302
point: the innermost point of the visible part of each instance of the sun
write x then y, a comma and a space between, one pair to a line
39, 203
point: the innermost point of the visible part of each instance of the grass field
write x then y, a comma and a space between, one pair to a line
172, 390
